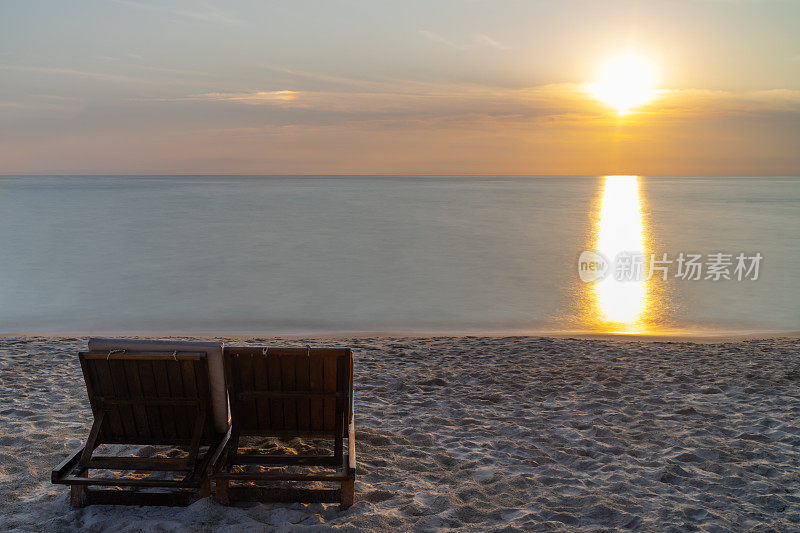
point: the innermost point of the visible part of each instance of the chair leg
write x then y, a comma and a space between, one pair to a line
221, 491
348, 493
77, 493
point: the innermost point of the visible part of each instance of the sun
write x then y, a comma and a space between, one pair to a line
625, 82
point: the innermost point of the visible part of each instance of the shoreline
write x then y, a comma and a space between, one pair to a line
693, 337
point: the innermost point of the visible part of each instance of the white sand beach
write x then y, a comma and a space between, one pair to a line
477, 433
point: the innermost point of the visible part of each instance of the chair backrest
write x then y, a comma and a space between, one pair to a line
213, 351
289, 391
149, 397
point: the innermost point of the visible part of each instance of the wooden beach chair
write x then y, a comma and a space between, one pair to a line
157, 393
287, 393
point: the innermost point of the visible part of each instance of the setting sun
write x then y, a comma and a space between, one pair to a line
624, 83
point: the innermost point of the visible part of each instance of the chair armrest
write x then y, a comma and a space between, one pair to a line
215, 458
66, 466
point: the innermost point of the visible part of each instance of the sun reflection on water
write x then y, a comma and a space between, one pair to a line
620, 306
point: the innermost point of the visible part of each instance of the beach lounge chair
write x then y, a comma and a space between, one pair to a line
157, 393
288, 393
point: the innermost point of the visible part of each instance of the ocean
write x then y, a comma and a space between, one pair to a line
396, 254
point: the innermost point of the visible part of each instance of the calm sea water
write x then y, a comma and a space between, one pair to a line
271, 254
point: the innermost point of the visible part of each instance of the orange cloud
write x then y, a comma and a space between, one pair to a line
427, 128
251, 98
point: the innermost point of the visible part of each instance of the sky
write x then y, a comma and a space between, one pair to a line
413, 87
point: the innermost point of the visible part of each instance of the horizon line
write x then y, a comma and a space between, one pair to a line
366, 174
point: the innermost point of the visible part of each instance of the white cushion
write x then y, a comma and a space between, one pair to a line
213, 350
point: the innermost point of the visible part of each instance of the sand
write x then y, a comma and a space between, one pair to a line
478, 433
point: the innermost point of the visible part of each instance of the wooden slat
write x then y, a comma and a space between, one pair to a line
260, 379
289, 433
281, 476
329, 383
139, 463
120, 382
316, 371
93, 391
275, 384
188, 377
123, 482
113, 428
342, 377
283, 350
174, 441
342, 371
263, 459
148, 382
198, 428
183, 415
135, 387
133, 402
289, 374
129, 355
190, 388
351, 407
163, 391
250, 414
294, 395
204, 391
303, 382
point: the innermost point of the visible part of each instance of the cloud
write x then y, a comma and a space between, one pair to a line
317, 77
488, 41
410, 127
206, 12
50, 104
406, 101
694, 102
137, 63
479, 40
101, 76
250, 98
563, 104
436, 38
36, 106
